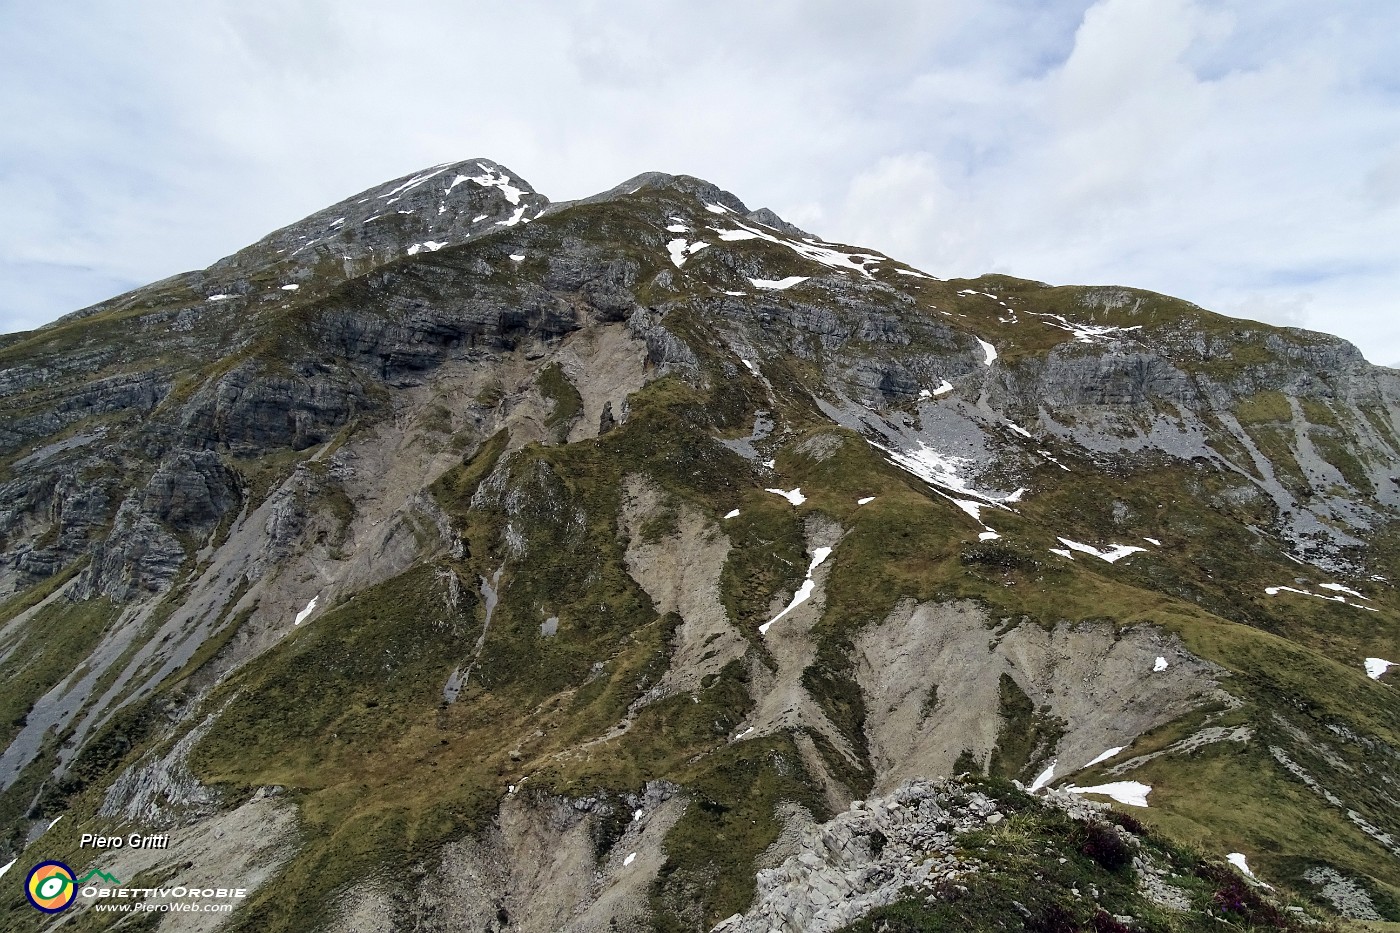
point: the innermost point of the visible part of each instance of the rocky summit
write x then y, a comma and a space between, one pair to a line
453, 559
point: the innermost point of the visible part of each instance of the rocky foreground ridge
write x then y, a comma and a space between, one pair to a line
937, 852
453, 559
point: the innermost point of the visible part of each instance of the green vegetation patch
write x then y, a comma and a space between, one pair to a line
709, 870
1028, 735
54, 644
568, 403
1264, 408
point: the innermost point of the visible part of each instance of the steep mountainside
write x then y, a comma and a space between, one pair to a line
453, 560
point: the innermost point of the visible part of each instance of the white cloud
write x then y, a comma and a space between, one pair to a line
1240, 155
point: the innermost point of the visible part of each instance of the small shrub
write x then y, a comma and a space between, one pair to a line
1234, 897
1100, 843
1129, 822
1103, 922
1053, 918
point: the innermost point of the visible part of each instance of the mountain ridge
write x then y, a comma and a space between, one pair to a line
650, 497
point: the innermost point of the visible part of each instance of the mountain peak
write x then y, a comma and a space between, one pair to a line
704, 191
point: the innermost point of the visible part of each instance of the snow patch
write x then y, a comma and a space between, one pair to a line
513, 219
517, 257
1159, 665
1132, 793
794, 496
680, 250
1062, 552
942, 470
732, 513
412, 183
1115, 552
1275, 590
431, 246
989, 351
310, 608
1237, 859
972, 508
1375, 667
836, 259
865, 500
779, 284
290, 288
491, 179
988, 535
7, 866
1338, 588
632, 857
678, 228
750, 367
1042, 778
1085, 333
921, 275
1153, 541
1105, 756
218, 298
803, 592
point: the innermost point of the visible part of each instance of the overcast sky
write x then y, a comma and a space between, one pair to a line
1243, 154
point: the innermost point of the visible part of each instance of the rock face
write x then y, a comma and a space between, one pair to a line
449, 508
1089, 679
866, 858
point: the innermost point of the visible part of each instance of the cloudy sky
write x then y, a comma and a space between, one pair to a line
1243, 154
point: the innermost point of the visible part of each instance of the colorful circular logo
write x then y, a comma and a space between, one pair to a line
50, 887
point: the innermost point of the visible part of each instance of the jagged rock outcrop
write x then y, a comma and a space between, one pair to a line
138, 557
879, 852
